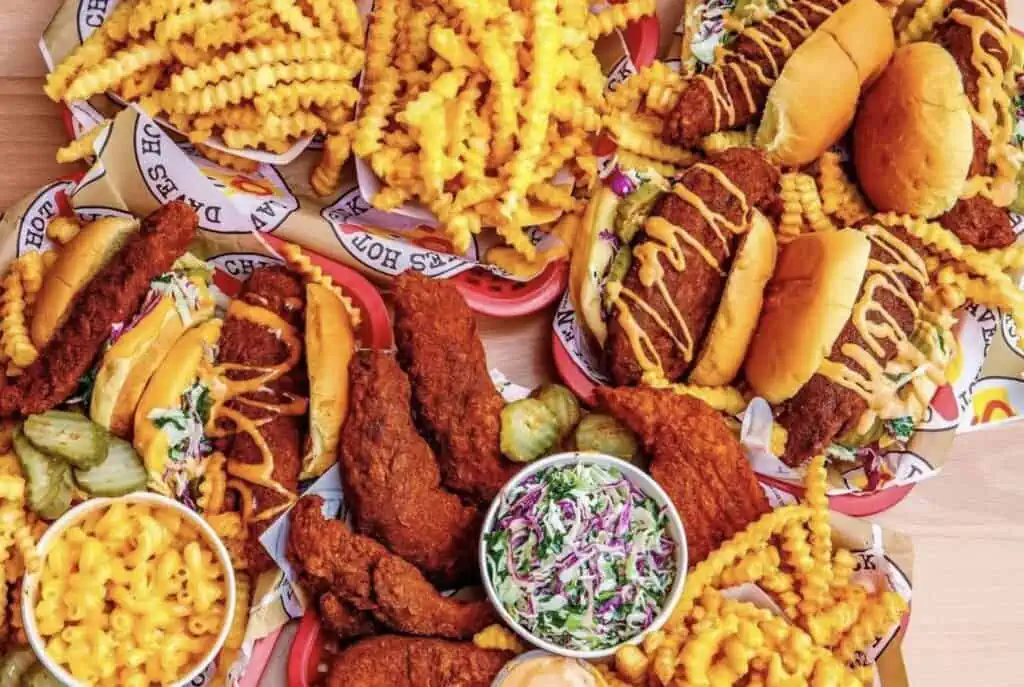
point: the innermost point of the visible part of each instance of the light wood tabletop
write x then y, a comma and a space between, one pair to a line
967, 525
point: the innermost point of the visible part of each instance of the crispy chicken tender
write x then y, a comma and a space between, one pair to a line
696, 459
390, 661
113, 295
456, 403
392, 479
362, 581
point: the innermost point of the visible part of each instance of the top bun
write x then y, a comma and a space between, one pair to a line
725, 346
77, 263
591, 256
912, 141
806, 305
814, 100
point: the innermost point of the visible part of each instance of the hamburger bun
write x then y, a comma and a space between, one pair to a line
725, 345
127, 366
77, 262
174, 376
912, 141
591, 257
814, 100
330, 343
806, 305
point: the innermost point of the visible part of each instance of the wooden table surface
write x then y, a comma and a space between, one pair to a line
967, 525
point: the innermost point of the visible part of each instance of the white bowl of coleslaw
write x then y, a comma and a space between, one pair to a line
78, 515
581, 553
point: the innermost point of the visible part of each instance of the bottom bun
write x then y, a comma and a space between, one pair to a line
591, 255
731, 330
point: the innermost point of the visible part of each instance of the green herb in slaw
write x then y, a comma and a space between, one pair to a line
580, 557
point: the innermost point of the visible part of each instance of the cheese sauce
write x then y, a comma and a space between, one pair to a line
884, 386
991, 111
248, 380
667, 240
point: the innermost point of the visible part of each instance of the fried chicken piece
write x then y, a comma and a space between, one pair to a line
345, 620
360, 579
758, 54
390, 661
456, 403
696, 290
249, 343
392, 480
114, 295
696, 459
976, 221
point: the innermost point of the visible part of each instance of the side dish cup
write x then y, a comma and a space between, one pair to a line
30, 589
638, 479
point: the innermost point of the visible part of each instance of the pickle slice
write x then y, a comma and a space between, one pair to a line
120, 473
70, 436
528, 430
39, 676
47, 479
634, 210
14, 665
604, 434
562, 403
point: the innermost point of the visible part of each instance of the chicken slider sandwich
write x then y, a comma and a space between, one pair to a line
845, 350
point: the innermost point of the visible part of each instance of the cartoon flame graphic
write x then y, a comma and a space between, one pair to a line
992, 405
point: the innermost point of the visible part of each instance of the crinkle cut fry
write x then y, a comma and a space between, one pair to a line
113, 295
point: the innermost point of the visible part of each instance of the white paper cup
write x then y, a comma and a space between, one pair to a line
642, 481
30, 588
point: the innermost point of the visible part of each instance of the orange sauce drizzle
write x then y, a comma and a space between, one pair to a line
992, 113
254, 378
766, 36
878, 384
665, 239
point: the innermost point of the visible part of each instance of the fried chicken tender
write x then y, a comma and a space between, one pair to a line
249, 343
696, 459
390, 661
361, 582
113, 295
456, 403
392, 480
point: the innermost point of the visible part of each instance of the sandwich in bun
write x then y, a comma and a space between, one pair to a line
235, 392
177, 300
814, 100
845, 348
934, 136
668, 279
99, 281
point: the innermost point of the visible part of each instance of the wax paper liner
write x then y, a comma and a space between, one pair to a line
884, 561
343, 226
138, 169
984, 388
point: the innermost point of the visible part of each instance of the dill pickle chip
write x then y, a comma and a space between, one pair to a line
70, 436
634, 210
604, 434
563, 403
528, 430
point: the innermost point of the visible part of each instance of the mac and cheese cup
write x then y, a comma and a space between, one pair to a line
188, 574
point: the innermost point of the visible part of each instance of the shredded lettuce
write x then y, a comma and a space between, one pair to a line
581, 557
901, 428
186, 438
840, 452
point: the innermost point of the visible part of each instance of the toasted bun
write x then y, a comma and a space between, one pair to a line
725, 346
330, 343
590, 259
172, 378
77, 263
128, 365
912, 141
863, 29
807, 303
813, 102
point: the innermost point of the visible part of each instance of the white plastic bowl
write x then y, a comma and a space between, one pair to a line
642, 481
31, 585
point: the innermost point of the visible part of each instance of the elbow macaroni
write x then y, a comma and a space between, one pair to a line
130, 595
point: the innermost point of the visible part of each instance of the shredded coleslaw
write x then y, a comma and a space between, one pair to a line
580, 557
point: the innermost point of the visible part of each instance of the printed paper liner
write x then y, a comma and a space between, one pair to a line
984, 387
112, 188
